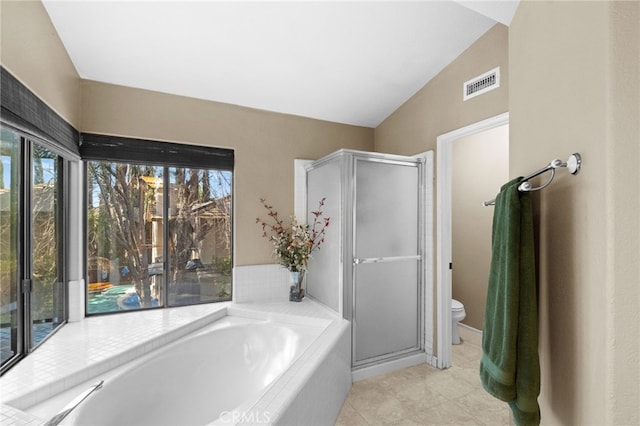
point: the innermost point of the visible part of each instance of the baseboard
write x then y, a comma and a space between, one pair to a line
470, 328
470, 334
386, 367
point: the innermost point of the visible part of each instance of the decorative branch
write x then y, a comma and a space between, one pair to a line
294, 243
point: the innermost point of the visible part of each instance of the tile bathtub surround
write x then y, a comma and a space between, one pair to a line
9, 416
91, 346
82, 350
423, 395
260, 284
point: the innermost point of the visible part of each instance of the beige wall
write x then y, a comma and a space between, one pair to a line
480, 166
438, 108
31, 50
623, 212
574, 88
265, 145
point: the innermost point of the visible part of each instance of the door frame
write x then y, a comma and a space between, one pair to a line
444, 144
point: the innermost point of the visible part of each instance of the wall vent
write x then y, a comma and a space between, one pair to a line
481, 84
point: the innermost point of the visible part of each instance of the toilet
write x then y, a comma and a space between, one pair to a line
457, 314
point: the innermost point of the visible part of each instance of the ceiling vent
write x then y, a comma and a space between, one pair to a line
481, 84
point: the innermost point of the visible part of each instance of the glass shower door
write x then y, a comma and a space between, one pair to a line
387, 260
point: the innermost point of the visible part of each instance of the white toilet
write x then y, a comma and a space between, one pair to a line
457, 314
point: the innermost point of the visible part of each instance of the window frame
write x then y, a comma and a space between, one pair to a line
23, 113
24, 335
168, 155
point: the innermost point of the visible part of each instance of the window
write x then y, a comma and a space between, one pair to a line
158, 222
32, 237
9, 245
45, 265
39, 159
158, 234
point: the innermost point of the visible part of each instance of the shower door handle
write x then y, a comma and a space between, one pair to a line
360, 261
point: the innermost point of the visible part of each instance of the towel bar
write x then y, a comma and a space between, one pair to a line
573, 165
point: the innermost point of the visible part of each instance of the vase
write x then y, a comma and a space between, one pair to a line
296, 280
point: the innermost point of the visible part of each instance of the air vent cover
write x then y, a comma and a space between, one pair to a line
481, 84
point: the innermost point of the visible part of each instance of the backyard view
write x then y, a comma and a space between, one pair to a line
135, 223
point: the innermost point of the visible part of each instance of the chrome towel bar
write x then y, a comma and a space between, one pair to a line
573, 165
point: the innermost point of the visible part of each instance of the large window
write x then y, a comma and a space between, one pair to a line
158, 222
39, 159
158, 235
32, 235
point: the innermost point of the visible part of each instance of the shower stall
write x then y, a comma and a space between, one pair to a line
377, 253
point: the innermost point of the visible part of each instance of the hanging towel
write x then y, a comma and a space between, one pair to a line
510, 367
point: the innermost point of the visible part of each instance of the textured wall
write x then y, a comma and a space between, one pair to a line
32, 51
574, 88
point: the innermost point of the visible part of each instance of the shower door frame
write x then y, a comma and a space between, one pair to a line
345, 268
351, 262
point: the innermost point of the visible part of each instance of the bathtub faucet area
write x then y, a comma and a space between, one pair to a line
55, 420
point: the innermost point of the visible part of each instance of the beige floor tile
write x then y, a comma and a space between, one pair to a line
470, 375
423, 395
349, 416
447, 413
450, 383
376, 406
466, 354
390, 412
366, 396
487, 409
468, 335
421, 392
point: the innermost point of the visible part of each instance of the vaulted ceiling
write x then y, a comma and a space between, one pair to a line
348, 62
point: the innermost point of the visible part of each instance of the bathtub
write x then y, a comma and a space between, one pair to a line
256, 369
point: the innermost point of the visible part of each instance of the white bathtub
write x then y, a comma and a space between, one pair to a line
237, 370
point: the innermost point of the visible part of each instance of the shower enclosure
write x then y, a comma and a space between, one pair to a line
372, 267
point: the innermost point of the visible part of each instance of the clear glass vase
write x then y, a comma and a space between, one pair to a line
296, 289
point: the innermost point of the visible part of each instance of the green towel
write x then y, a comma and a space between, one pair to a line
510, 368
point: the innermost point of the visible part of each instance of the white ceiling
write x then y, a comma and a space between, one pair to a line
348, 62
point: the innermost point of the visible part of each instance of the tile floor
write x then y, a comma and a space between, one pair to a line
424, 395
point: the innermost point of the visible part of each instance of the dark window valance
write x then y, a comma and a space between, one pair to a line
130, 150
23, 110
